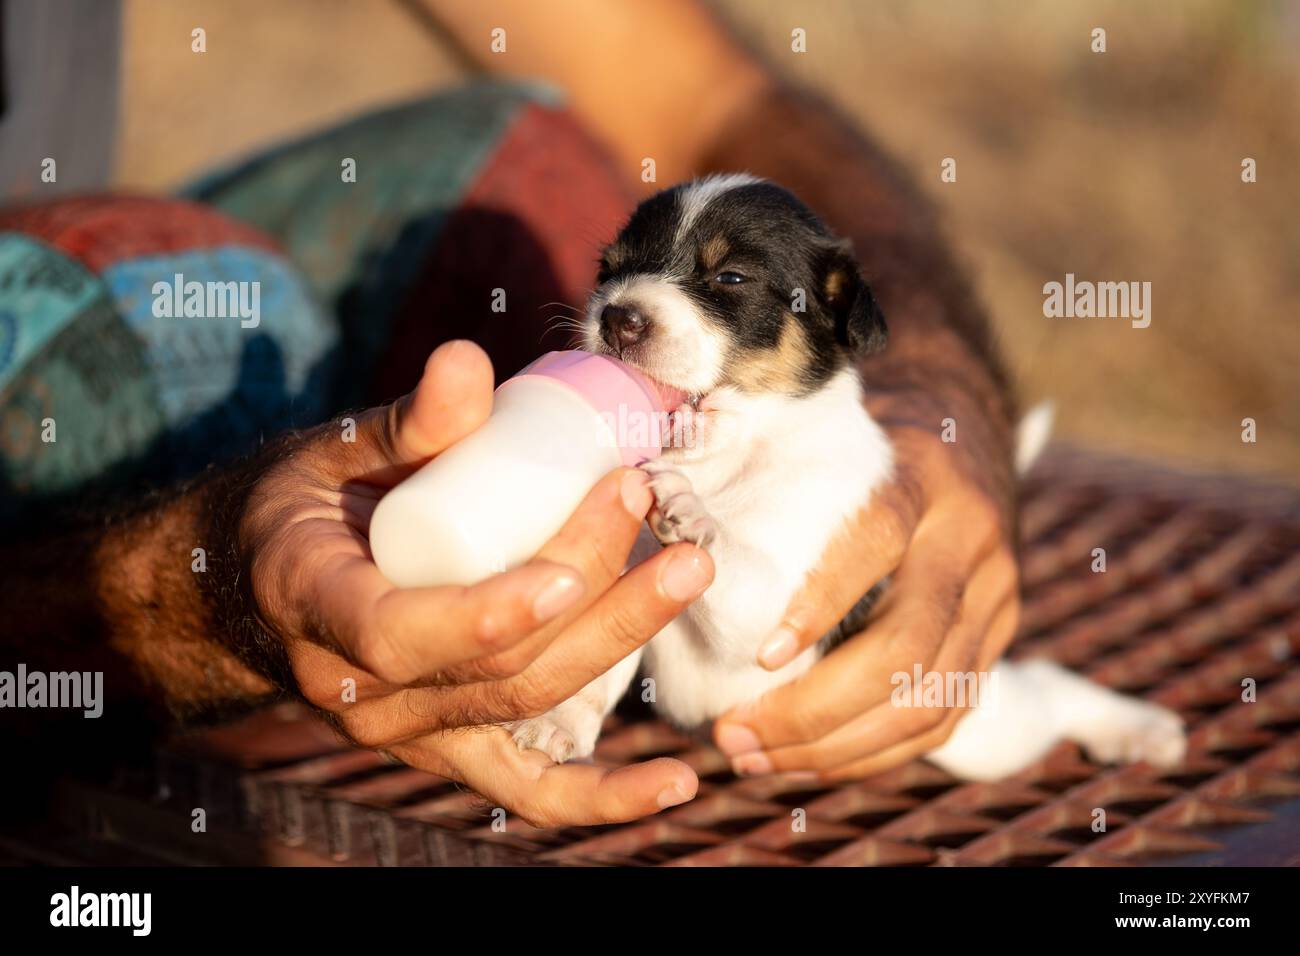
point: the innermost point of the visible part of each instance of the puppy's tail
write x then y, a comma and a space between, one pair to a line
1032, 434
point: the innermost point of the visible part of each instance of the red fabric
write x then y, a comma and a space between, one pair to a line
532, 224
101, 230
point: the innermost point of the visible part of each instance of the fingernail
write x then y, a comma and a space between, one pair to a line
637, 496
750, 765
555, 598
671, 797
736, 739
780, 648
684, 576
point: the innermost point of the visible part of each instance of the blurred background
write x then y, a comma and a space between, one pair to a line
1119, 166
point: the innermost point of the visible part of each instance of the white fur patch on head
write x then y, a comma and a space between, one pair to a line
683, 351
695, 197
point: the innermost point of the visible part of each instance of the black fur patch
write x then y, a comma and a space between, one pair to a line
788, 260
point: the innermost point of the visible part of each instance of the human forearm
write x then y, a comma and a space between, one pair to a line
652, 78
120, 595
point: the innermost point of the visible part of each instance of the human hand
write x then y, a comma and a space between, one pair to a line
952, 604
405, 669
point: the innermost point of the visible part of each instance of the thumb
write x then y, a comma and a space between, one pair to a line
452, 399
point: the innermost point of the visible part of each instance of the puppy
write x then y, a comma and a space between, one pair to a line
732, 295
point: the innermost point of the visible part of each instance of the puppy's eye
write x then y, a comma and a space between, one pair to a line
730, 278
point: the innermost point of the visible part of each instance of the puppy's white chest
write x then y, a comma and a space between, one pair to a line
778, 488
694, 685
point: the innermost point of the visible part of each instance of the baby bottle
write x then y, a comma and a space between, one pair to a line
489, 502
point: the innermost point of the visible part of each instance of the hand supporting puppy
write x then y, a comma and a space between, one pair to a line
952, 604
291, 602
426, 663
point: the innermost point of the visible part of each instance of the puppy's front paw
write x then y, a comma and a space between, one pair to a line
678, 513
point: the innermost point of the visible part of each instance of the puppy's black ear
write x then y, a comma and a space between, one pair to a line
859, 323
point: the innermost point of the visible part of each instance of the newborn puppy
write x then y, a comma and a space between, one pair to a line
736, 299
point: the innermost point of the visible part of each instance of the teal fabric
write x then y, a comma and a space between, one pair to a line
68, 358
197, 363
360, 244
136, 397
40, 295
97, 391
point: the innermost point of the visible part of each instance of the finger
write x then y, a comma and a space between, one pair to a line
631, 613
595, 542
1001, 630
902, 716
1004, 627
863, 554
636, 609
452, 399
920, 607
897, 755
597, 537
545, 794
920, 744
330, 681
404, 634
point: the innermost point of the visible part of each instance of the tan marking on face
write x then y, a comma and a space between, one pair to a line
714, 252
836, 280
835, 284
614, 257
779, 369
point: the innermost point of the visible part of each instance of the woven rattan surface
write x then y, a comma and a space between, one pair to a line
1201, 592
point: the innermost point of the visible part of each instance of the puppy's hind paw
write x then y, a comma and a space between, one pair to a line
544, 734
1138, 732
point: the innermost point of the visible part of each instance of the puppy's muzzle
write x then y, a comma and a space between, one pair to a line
622, 326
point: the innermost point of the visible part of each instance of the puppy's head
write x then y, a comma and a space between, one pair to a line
731, 281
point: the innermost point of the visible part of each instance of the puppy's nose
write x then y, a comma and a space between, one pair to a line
621, 326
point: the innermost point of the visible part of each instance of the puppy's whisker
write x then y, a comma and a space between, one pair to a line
573, 325
571, 322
